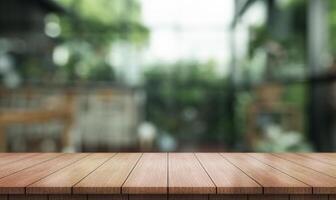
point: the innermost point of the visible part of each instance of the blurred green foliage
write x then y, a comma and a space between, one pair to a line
277, 52
283, 40
89, 31
188, 100
332, 26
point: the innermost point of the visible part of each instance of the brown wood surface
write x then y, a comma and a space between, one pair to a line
322, 157
272, 180
311, 163
108, 178
309, 197
268, 197
62, 181
67, 197
321, 183
187, 176
228, 178
150, 176
7, 158
227, 197
28, 197
148, 197
188, 197
107, 197
7, 154
122, 176
13, 167
16, 183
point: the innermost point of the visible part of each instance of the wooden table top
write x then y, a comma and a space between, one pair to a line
167, 173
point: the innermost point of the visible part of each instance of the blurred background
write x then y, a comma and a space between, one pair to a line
167, 75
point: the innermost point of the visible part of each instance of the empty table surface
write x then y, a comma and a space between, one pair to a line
167, 174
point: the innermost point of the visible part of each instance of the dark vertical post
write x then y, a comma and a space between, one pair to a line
318, 122
231, 98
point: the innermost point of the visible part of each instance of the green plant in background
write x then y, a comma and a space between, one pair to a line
332, 25
278, 140
77, 44
89, 31
243, 101
188, 100
277, 52
283, 40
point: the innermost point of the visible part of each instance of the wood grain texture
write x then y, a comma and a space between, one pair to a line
14, 167
309, 163
148, 197
150, 175
135, 176
108, 178
321, 183
268, 197
227, 197
188, 197
62, 181
7, 158
67, 197
187, 176
16, 183
228, 178
165, 197
309, 197
321, 157
272, 180
5, 154
28, 197
107, 197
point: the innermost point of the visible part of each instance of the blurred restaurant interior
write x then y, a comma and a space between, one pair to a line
167, 75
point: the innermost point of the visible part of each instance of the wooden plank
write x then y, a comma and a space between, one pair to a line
321, 183
310, 163
227, 197
62, 181
308, 197
19, 165
6, 154
187, 176
332, 155
16, 183
108, 178
327, 155
268, 197
148, 197
188, 197
272, 180
7, 158
67, 197
150, 175
28, 197
322, 157
107, 197
228, 178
